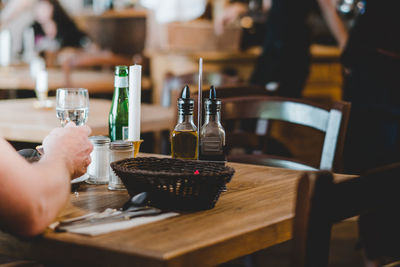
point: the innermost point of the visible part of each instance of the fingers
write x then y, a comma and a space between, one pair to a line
88, 161
219, 27
82, 169
70, 124
87, 129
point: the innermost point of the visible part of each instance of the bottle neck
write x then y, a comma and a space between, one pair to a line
214, 117
185, 118
121, 82
121, 92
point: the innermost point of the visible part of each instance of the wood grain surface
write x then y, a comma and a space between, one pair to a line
256, 212
18, 77
20, 121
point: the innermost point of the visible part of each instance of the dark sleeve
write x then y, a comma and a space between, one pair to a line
73, 37
37, 29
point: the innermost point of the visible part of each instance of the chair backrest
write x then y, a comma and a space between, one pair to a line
330, 120
322, 201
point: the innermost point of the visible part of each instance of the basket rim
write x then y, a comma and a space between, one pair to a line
227, 170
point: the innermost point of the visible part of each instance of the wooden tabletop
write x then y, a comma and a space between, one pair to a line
165, 62
96, 81
256, 212
20, 121
115, 14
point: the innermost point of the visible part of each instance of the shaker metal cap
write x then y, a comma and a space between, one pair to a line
99, 139
121, 145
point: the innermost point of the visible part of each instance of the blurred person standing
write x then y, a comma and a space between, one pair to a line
371, 59
54, 28
284, 63
17, 15
372, 84
60, 40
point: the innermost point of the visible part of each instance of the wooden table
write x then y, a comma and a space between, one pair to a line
178, 62
325, 78
18, 77
256, 212
20, 121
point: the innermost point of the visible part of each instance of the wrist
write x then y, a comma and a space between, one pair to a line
59, 162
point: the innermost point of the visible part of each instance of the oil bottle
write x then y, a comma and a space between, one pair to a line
184, 141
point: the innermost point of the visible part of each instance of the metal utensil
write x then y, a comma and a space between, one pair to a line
138, 200
199, 102
123, 216
138, 203
94, 216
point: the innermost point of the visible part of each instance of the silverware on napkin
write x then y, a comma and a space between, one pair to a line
116, 216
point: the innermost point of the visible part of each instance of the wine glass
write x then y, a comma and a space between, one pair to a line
72, 104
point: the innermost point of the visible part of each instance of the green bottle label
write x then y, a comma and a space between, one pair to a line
121, 82
125, 132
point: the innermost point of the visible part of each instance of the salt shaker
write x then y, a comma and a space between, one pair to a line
99, 170
119, 150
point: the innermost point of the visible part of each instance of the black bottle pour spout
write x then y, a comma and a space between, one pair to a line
212, 103
213, 93
185, 103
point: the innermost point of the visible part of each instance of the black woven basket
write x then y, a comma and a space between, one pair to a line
174, 183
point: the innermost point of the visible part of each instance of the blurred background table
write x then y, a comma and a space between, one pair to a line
324, 81
178, 62
96, 81
18, 77
20, 121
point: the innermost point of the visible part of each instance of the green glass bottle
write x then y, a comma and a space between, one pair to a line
118, 118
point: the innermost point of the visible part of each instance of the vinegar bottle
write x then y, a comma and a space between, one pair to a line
212, 134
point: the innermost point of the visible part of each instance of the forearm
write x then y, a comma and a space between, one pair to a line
334, 22
13, 9
267, 5
31, 194
54, 179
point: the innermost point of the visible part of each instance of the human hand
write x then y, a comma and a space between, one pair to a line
231, 13
70, 144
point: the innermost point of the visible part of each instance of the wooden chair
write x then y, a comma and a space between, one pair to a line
322, 201
331, 120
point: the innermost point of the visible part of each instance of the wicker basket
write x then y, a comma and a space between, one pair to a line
174, 183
